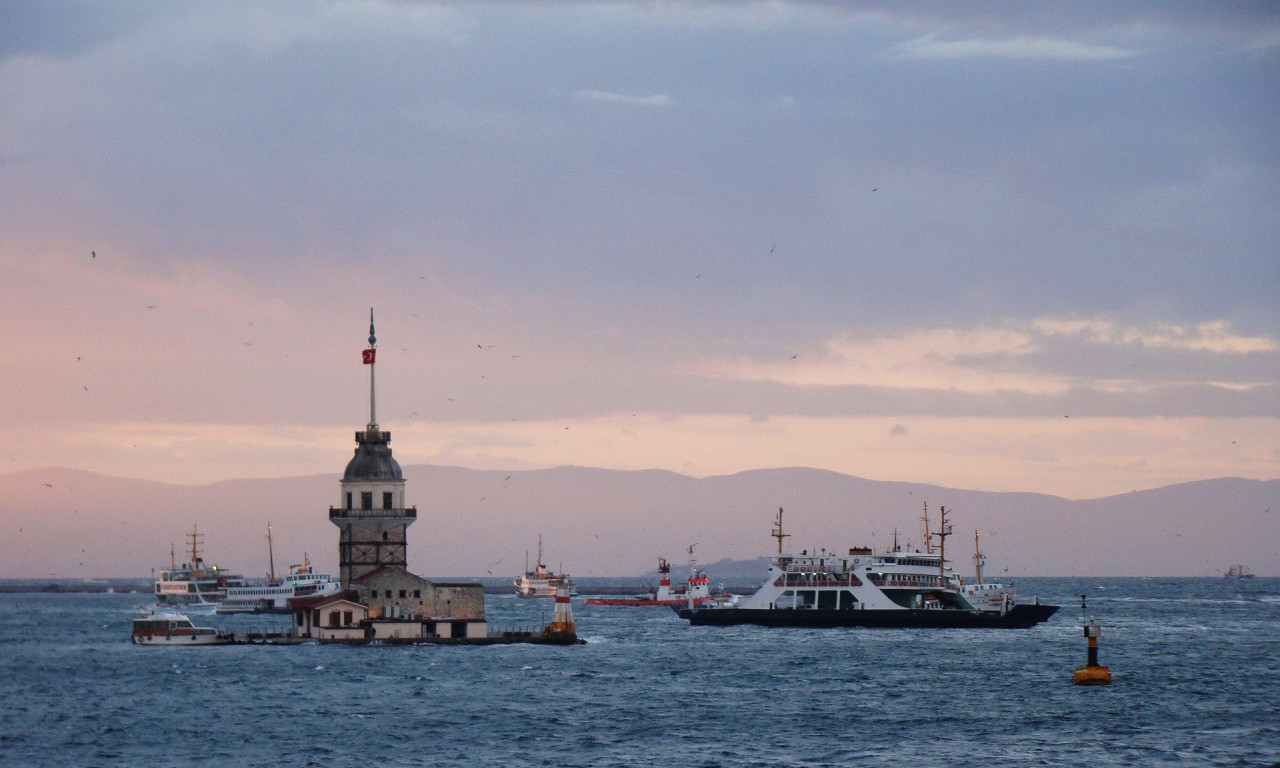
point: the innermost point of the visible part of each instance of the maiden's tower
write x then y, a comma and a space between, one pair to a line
381, 599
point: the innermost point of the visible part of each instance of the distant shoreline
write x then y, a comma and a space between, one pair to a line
133, 586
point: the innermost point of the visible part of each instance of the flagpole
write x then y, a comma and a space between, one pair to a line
373, 344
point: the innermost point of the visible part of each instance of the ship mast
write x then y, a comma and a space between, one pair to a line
777, 531
195, 545
978, 559
928, 536
944, 530
271, 557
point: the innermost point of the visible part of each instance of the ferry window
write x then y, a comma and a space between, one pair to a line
366, 499
846, 600
827, 598
386, 499
805, 598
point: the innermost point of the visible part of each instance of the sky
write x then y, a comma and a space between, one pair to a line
1007, 247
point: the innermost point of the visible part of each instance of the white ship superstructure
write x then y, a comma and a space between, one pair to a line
301, 581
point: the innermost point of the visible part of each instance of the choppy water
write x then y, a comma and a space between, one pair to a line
1196, 665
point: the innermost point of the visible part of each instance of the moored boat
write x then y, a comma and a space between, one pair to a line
868, 589
542, 581
170, 628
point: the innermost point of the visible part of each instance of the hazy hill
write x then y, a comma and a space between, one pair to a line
595, 522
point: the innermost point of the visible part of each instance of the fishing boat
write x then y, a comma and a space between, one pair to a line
164, 627
541, 581
274, 596
863, 588
1238, 572
695, 591
195, 583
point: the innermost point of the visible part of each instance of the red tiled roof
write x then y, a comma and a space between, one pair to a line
318, 601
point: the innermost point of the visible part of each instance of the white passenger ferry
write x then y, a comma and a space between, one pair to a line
541, 581
195, 583
274, 596
868, 589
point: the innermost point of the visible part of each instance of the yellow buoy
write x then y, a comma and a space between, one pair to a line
1092, 673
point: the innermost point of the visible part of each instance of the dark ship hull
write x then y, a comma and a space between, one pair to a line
1018, 617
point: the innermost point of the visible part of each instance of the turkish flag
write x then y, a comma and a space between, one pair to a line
368, 356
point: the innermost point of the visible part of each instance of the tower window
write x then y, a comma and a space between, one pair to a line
348, 499
386, 499
366, 499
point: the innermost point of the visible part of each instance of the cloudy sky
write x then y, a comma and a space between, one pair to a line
1018, 248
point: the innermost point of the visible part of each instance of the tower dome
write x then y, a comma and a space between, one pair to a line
373, 460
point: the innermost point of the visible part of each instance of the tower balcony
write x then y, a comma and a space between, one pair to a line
337, 513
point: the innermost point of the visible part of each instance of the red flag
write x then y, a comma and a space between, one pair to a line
368, 356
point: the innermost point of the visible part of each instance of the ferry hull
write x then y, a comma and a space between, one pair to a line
1018, 617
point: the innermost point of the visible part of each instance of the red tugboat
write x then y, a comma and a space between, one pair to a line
695, 591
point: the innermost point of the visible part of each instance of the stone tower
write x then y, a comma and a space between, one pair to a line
371, 516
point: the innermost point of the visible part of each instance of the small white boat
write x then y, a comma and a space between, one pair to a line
174, 629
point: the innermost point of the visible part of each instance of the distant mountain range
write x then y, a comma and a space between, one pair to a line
69, 523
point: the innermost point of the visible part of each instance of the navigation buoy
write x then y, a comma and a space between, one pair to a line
561, 628
1092, 673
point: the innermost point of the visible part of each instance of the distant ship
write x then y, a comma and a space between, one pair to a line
195, 583
697, 589
1238, 572
541, 581
865, 589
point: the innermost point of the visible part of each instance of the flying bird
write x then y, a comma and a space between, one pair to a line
93, 254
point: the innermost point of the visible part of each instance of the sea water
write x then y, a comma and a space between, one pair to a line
1195, 664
